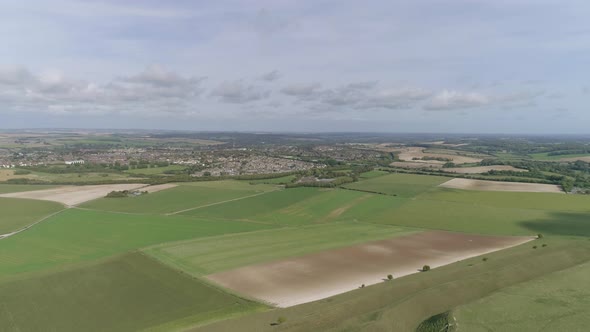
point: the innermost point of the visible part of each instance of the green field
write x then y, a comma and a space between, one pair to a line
373, 174
156, 170
546, 156
185, 196
403, 185
555, 302
92, 256
297, 206
205, 256
280, 180
18, 213
77, 235
125, 293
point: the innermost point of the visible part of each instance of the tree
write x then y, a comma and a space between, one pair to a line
426, 268
539, 236
389, 277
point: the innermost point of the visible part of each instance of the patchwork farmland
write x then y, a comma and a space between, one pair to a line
238, 255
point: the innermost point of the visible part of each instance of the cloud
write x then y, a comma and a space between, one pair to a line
450, 100
14, 75
239, 92
356, 96
152, 91
302, 90
271, 76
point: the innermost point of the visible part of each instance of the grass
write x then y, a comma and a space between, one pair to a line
280, 180
126, 293
79, 246
18, 213
555, 302
373, 174
546, 156
403, 304
78, 235
184, 196
496, 213
156, 170
404, 185
295, 206
205, 256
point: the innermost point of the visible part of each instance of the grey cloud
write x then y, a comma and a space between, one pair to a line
152, 91
238, 92
14, 75
302, 90
271, 76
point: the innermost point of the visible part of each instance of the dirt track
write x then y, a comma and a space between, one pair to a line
482, 185
316, 276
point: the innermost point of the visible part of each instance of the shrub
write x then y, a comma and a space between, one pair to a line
539, 236
544, 245
485, 259
281, 320
389, 277
363, 286
426, 268
534, 247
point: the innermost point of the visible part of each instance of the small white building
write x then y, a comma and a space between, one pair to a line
74, 162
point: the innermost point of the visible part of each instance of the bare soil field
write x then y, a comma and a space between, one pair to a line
482, 169
482, 185
408, 154
8, 174
158, 187
586, 159
74, 195
308, 278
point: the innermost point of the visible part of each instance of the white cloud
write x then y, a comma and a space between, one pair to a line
450, 100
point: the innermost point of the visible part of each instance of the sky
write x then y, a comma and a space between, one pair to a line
463, 66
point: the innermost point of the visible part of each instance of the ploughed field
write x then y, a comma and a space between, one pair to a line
192, 256
316, 276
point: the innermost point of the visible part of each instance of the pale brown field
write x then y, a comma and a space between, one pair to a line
7, 174
74, 195
482, 169
408, 154
482, 185
308, 278
586, 159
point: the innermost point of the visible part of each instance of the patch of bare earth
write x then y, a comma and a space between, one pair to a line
410, 153
74, 195
317, 276
483, 169
158, 187
482, 185
586, 159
